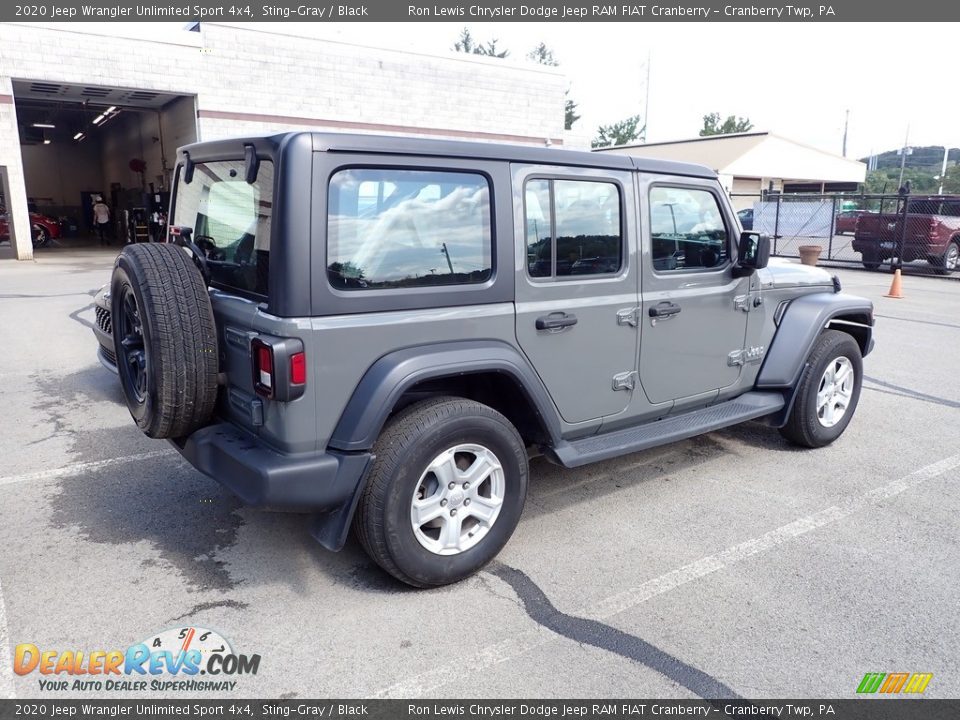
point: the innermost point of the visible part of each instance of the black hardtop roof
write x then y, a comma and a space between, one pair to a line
401, 145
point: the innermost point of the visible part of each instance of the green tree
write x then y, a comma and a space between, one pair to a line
467, 44
619, 133
544, 55
713, 126
570, 115
887, 181
951, 181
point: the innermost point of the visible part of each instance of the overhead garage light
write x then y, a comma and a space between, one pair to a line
78, 136
51, 126
105, 115
46, 142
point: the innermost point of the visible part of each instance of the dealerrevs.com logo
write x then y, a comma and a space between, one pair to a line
170, 661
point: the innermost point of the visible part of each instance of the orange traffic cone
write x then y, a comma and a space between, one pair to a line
896, 287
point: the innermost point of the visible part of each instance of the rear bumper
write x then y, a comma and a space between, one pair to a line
261, 476
913, 248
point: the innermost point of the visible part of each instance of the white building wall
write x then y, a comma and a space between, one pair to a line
247, 81
11, 162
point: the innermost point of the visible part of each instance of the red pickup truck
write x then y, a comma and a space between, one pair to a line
932, 234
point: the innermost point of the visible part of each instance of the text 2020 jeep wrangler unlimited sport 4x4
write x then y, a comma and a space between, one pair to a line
381, 330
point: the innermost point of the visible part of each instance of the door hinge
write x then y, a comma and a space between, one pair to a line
625, 381
742, 302
629, 316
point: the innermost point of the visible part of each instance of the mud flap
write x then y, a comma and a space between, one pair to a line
330, 527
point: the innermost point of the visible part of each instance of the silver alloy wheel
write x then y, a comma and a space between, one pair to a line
458, 499
952, 257
835, 391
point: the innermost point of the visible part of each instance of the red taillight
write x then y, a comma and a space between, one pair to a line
262, 368
298, 368
279, 368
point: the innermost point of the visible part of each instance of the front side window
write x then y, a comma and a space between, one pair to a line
390, 228
572, 228
686, 229
231, 221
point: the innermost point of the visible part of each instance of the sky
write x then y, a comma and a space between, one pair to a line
795, 79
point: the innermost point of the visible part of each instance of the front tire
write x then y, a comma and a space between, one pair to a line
446, 491
828, 391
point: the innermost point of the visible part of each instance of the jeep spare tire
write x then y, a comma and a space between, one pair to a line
165, 339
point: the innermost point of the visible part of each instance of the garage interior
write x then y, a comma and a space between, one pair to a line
83, 141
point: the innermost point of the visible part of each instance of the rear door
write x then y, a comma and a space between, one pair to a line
694, 309
576, 275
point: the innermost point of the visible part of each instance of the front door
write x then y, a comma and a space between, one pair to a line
576, 271
693, 308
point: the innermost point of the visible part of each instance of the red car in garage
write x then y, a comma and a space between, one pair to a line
43, 229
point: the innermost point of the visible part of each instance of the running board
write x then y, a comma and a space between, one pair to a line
748, 406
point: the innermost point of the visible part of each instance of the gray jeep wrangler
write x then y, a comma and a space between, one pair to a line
381, 331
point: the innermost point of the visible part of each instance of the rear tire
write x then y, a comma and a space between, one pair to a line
415, 518
949, 261
871, 261
828, 391
165, 339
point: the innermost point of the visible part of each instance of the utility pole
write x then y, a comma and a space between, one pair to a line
646, 102
943, 168
846, 125
903, 154
446, 254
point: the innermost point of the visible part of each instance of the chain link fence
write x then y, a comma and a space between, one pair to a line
918, 233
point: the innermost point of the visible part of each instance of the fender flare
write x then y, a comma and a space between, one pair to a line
801, 322
393, 374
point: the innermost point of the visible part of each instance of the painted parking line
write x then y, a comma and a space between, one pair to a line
79, 468
495, 653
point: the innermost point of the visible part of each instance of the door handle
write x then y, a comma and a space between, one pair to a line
664, 309
556, 321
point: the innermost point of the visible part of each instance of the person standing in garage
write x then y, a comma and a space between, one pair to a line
101, 218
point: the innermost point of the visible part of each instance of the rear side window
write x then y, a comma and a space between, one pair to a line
391, 228
231, 222
572, 228
686, 229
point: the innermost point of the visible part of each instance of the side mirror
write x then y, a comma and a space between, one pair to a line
753, 253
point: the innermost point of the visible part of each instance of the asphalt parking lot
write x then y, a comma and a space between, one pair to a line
730, 564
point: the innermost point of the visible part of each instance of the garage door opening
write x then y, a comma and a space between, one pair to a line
88, 146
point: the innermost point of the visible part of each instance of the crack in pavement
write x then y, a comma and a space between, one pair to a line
606, 637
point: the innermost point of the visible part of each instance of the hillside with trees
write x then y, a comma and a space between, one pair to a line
922, 169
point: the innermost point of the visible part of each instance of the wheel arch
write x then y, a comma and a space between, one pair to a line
488, 371
799, 325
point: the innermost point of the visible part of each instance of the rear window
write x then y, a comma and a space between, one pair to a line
231, 222
390, 228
